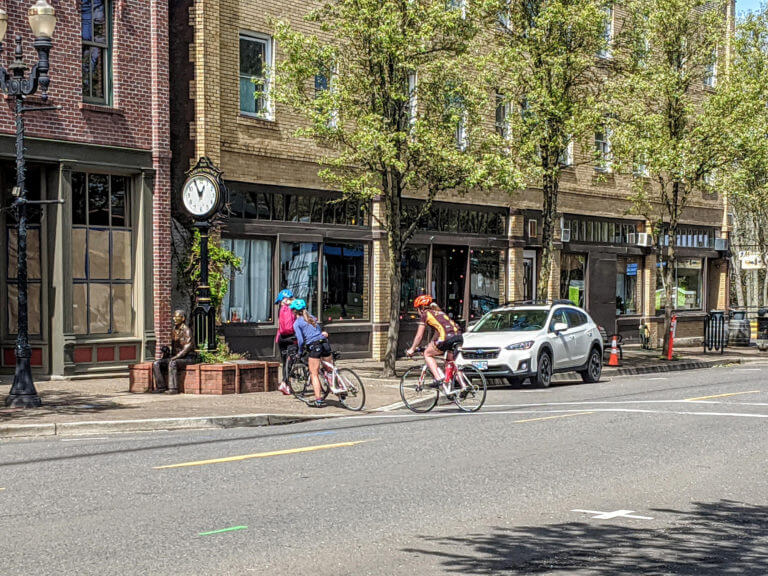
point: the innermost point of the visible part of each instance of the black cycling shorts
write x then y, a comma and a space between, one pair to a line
449, 343
319, 349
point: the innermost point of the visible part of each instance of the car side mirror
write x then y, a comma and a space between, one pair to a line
560, 327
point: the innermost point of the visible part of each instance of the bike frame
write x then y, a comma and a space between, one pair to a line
446, 363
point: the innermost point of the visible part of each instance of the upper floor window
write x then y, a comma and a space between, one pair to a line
603, 149
458, 5
605, 52
96, 32
502, 116
566, 157
413, 103
710, 75
255, 60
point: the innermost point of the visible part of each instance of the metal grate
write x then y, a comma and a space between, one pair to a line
480, 353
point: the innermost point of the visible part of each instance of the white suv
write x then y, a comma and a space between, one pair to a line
534, 341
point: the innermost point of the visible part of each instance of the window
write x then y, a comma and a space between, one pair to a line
298, 207
324, 82
255, 60
452, 218
627, 270
345, 281
504, 17
34, 262
518, 320
572, 274
558, 317
484, 267
710, 75
249, 298
566, 158
298, 271
458, 5
102, 254
96, 33
605, 52
413, 277
603, 149
575, 318
688, 285
502, 116
413, 105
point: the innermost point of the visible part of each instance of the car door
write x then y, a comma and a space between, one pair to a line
577, 341
559, 341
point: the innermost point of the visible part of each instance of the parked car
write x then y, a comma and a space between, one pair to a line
534, 341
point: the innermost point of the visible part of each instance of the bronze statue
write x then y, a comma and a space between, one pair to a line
181, 353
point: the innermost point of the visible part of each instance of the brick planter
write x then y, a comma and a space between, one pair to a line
140, 378
242, 376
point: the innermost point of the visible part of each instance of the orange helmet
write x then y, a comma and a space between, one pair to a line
422, 301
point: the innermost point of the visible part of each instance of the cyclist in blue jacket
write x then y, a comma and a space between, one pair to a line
309, 333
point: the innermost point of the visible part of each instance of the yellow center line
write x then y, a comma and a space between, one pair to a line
262, 455
721, 395
551, 417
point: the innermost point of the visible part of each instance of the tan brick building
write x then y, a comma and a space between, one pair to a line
472, 253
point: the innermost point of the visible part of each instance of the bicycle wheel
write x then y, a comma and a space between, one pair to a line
471, 398
415, 391
354, 397
298, 379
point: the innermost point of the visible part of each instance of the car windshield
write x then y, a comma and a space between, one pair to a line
518, 320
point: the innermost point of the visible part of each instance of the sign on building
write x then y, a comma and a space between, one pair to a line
751, 260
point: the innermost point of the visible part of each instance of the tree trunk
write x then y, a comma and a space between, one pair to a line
670, 288
550, 190
394, 258
738, 284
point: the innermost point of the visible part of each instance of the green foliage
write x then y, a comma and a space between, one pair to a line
221, 262
220, 355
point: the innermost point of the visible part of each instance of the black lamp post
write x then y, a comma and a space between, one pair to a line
16, 84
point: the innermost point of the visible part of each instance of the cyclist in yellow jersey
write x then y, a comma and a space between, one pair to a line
446, 334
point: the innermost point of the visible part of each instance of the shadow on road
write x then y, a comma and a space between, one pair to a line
720, 538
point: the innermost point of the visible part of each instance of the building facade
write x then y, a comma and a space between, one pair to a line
99, 262
471, 253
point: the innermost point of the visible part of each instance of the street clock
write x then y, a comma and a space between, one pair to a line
203, 193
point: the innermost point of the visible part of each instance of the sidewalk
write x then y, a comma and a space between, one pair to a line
99, 406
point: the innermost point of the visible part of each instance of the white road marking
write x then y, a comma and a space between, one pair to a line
611, 515
81, 439
749, 369
660, 378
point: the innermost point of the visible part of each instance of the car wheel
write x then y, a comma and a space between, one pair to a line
594, 367
543, 376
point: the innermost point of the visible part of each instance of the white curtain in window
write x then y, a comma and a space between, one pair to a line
250, 290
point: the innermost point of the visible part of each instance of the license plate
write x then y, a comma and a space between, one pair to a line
480, 365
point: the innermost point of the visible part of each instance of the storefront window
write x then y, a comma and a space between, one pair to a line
345, 282
688, 284
102, 254
452, 218
414, 277
572, 273
249, 298
627, 270
484, 266
298, 271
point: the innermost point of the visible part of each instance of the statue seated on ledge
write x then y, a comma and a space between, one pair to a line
180, 354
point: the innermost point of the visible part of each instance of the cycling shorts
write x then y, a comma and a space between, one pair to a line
319, 349
449, 343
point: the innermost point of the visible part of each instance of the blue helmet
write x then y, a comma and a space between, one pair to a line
283, 295
298, 304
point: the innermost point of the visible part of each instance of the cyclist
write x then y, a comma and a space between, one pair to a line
446, 334
285, 337
310, 334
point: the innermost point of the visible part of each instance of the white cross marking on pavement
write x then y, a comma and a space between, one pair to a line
611, 515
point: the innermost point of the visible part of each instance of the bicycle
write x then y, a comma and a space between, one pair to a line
343, 382
466, 386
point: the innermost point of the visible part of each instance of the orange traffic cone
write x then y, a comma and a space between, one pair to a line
614, 359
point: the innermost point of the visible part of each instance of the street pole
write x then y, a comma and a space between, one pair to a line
18, 85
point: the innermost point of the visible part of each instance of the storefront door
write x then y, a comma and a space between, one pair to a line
529, 275
449, 269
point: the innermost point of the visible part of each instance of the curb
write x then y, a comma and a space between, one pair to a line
672, 366
153, 424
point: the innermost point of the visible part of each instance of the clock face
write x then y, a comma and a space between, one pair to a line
200, 195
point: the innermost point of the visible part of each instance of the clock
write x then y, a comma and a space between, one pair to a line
201, 195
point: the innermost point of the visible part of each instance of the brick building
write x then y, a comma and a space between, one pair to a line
472, 254
99, 263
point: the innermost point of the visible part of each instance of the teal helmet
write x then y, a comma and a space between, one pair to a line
298, 305
283, 295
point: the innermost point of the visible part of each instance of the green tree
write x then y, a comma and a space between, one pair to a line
745, 179
545, 66
388, 88
668, 129
221, 263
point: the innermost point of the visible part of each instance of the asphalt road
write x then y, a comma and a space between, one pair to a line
639, 475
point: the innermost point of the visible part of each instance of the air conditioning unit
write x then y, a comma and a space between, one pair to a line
565, 234
721, 244
631, 238
644, 239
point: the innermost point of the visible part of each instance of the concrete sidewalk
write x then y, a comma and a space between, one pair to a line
98, 406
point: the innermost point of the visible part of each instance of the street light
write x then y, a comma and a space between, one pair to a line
42, 20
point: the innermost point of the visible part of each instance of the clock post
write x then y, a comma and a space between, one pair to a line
203, 196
